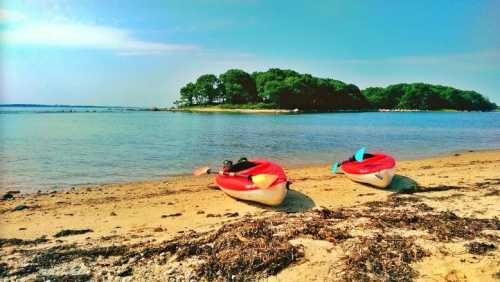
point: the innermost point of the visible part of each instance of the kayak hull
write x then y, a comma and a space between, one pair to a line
376, 170
380, 179
240, 186
271, 196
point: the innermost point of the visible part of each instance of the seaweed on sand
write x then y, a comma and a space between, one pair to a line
479, 248
382, 258
410, 213
69, 232
61, 254
4, 269
245, 249
64, 278
19, 242
445, 226
54, 256
250, 248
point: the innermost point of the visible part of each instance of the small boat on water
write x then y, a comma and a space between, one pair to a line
239, 181
376, 169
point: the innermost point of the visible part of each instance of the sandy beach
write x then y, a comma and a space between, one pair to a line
437, 222
223, 110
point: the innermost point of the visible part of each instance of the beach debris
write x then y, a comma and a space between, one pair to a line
158, 229
64, 278
478, 248
382, 258
489, 182
65, 253
126, 272
493, 193
112, 214
266, 253
171, 215
231, 214
21, 207
4, 269
7, 196
25, 270
444, 226
21, 242
70, 232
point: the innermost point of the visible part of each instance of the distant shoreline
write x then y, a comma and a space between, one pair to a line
222, 110
215, 109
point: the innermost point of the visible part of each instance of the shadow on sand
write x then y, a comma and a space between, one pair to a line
295, 201
403, 184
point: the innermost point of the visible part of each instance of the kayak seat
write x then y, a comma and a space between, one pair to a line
241, 166
365, 156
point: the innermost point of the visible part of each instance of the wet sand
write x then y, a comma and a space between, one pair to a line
140, 217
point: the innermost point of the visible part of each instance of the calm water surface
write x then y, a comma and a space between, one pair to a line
55, 150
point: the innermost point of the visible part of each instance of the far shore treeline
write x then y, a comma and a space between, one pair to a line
288, 89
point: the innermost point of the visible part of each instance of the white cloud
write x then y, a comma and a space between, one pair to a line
11, 16
76, 35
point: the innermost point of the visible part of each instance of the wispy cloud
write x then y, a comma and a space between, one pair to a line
88, 36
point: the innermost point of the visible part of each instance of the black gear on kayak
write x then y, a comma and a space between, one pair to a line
242, 164
227, 165
365, 156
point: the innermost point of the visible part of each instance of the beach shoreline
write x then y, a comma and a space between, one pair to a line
147, 213
188, 175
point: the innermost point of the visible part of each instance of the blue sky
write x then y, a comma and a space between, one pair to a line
140, 53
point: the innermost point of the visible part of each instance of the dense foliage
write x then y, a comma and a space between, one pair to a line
278, 88
424, 96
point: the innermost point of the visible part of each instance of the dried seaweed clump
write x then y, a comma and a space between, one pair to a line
245, 249
60, 254
20, 242
382, 258
253, 248
69, 232
478, 248
445, 226
64, 278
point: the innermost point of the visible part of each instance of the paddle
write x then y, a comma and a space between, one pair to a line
261, 181
358, 156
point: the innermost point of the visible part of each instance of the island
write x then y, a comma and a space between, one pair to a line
284, 90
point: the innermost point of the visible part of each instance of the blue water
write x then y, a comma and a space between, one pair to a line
48, 151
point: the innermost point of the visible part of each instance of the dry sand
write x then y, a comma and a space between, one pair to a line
144, 214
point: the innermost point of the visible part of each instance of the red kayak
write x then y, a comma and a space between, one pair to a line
376, 169
238, 183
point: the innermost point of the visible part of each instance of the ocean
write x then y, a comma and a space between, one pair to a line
55, 148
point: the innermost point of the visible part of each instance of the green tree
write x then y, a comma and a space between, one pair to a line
188, 93
239, 87
207, 89
289, 89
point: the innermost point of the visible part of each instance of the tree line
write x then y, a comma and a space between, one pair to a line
288, 89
